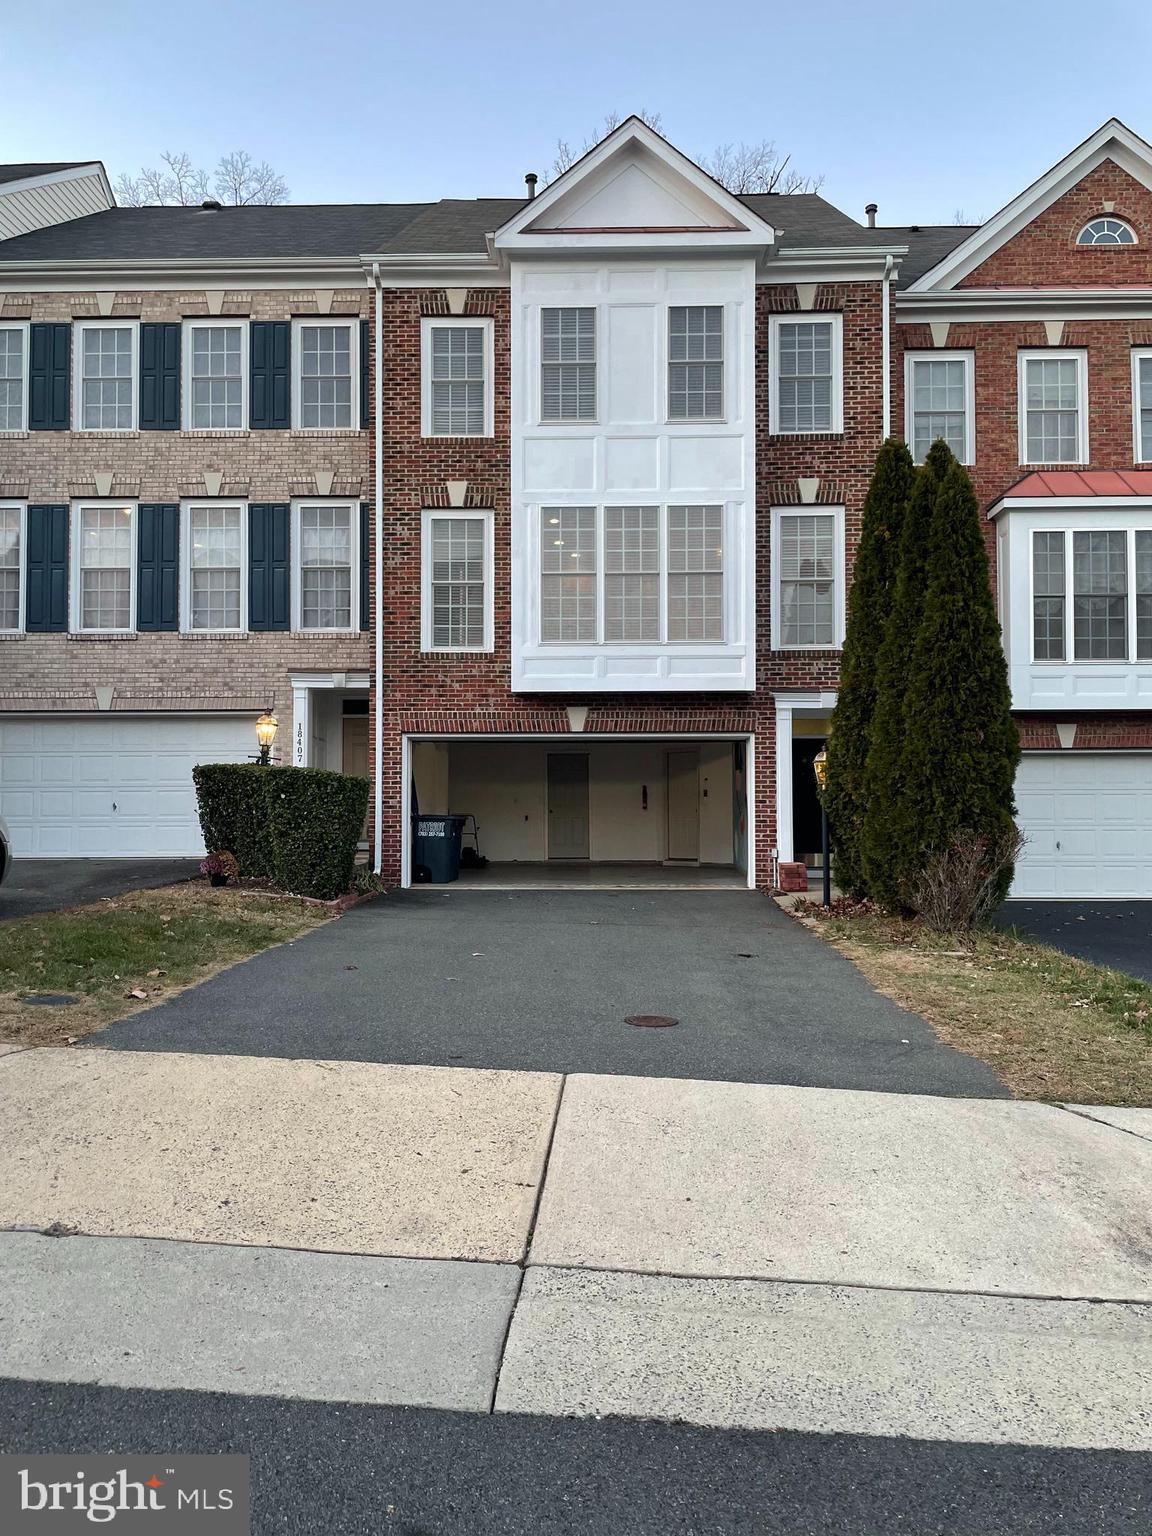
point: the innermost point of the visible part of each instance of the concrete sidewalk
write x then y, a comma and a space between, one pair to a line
735, 1255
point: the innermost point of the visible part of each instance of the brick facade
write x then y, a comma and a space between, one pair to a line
182, 672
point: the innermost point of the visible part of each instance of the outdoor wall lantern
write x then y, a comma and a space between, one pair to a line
266, 728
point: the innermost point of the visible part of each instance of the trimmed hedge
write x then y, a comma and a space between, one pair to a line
314, 822
298, 825
234, 814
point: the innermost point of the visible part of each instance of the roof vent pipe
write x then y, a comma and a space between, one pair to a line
530, 182
211, 205
870, 210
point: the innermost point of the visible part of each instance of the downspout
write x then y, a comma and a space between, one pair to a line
378, 536
886, 325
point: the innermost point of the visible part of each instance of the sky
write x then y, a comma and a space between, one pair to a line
926, 109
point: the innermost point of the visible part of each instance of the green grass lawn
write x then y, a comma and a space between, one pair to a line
1053, 1027
154, 943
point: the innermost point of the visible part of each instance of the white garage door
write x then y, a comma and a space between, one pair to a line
111, 787
1088, 820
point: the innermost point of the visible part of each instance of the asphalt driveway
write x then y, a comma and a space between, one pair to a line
44, 885
543, 981
1112, 933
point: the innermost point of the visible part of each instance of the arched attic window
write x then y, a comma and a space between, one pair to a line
1107, 232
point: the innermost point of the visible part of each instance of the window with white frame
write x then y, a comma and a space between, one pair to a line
1142, 404
457, 378
214, 539
806, 390
568, 364
1107, 232
324, 561
215, 376
806, 565
631, 573
105, 564
456, 569
1053, 408
11, 566
325, 392
696, 362
106, 377
661, 579
1108, 574
13, 377
938, 403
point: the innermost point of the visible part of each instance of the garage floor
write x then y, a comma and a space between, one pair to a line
603, 877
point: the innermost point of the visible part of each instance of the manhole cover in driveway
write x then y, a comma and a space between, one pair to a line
50, 999
650, 1020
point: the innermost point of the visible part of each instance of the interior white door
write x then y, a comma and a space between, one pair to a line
567, 805
1087, 817
684, 804
111, 786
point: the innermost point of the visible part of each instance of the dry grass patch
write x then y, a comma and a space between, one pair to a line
131, 952
1051, 1026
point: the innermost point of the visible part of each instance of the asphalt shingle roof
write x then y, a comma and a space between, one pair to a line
38, 168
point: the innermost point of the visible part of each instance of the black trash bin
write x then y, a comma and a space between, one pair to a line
436, 847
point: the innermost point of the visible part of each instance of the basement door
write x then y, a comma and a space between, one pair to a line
684, 806
567, 805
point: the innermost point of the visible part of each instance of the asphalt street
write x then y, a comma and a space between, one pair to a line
341, 1469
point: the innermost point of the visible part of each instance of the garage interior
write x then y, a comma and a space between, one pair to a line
638, 813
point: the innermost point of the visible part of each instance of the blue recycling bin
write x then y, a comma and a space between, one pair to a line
436, 847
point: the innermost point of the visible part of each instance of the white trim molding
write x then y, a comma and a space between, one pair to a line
485, 517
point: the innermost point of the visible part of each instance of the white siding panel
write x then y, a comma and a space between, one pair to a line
52, 202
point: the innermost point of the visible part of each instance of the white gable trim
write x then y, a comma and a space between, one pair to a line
1111, 142
530, 229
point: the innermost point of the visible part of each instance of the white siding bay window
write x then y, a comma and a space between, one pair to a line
633, 475
1076, 604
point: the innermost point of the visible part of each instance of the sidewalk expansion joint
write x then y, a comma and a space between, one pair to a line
1109, 1125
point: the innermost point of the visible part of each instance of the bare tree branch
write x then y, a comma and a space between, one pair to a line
961, 216
177, 182
757, 167
566, 156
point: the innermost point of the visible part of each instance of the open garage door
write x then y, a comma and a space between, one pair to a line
1088, 820
111, 786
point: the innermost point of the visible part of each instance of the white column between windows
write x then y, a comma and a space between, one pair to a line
783, 782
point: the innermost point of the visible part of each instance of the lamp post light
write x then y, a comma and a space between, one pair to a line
266, 728
820, 769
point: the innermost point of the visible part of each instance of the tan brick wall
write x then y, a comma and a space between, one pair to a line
173, 671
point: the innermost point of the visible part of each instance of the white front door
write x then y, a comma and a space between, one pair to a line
1088, 820
684, 804
111, 786
567, 805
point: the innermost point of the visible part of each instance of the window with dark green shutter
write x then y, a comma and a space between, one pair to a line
46, 594
268, 569
49, 377
158, 566
365, 564
160, 377
269, 372
365, 373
